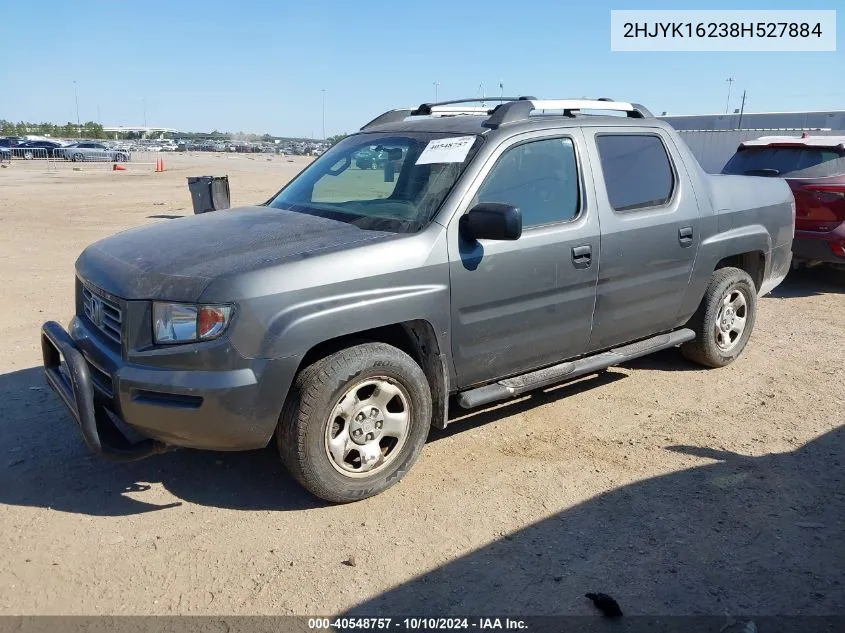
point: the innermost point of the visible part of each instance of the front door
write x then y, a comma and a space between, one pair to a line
519, 305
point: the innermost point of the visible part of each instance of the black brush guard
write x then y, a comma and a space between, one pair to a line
76, 390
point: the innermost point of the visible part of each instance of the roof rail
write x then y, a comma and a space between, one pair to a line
441, 108
391, 116
521, 110
509, 109
427, 109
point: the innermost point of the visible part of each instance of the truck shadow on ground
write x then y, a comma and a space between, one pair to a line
758, 535
44, 463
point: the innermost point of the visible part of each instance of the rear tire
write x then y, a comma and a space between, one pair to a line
78, 158
724, 319
341, 433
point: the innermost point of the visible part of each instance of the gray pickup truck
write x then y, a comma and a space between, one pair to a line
506, 249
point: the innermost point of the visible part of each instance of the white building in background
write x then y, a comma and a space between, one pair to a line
144, 130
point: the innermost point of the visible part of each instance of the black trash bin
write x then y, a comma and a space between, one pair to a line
209, 193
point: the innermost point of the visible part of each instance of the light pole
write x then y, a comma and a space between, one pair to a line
144, 106
76, 98
730, 81
436, 85
323, 90
501, 89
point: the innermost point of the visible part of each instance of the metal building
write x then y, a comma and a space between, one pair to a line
713, 138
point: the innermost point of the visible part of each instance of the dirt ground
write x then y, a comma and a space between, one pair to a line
675, 489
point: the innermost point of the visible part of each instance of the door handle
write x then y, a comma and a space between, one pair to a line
685, 236
582, 256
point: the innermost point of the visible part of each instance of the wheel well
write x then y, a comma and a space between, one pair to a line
417, 339
754, 263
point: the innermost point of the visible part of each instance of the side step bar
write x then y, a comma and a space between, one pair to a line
517, 385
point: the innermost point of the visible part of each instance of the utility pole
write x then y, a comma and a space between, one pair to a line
730, 81
501, 88
436, 85
324, 113
76, 98
741, 110
144, 106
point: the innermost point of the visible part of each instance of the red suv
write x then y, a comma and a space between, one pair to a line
814, 167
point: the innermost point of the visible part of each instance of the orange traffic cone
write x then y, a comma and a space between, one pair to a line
117, 167
159, 165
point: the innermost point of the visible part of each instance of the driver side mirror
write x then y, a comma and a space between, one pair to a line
492, 221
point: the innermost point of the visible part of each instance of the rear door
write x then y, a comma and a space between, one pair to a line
649, 233
519, 305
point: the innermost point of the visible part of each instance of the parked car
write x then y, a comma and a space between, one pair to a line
514, 249
814, 168
5, 148
30, 150
90, 151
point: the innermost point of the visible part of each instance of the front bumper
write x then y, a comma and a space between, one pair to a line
112, 399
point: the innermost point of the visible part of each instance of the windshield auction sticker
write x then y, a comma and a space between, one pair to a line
728, 30
446, 150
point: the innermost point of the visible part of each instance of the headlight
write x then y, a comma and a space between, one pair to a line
183, 323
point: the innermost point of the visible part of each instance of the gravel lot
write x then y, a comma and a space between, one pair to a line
675, 489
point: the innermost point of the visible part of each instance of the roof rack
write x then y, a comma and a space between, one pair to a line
509, 109
521, 110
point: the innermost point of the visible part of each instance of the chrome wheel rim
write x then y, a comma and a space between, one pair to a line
731, 320
368, 426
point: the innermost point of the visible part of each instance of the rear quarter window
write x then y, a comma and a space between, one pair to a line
792, 162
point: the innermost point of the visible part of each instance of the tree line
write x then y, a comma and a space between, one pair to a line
89, 129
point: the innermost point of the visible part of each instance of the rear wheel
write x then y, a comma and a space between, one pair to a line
77, 158
355, 422
724, 320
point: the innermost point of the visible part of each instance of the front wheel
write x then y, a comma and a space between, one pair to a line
724, 319
355, 422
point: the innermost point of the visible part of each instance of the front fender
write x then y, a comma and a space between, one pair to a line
297, 328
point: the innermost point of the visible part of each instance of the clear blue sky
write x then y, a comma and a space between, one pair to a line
259, 65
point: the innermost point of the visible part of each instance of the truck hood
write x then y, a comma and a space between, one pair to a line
175, 260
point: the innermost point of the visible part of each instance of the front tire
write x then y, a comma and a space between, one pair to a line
355, 422
724, 319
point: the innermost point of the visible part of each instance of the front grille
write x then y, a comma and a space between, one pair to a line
104, 314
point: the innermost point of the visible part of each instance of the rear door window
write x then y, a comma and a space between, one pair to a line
636, 169
792, 162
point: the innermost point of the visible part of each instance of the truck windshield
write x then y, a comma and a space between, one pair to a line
385, 182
